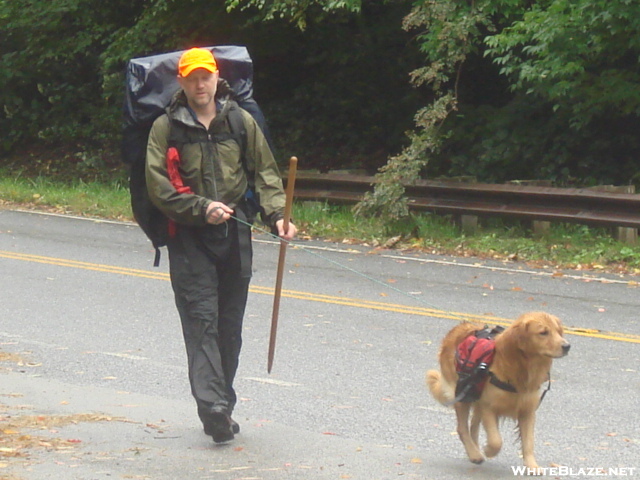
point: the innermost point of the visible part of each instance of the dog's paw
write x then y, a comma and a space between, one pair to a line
475, 455
535, 471
492, 450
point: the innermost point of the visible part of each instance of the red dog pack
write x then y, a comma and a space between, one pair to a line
473, 359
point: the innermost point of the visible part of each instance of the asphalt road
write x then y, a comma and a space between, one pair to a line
93, 379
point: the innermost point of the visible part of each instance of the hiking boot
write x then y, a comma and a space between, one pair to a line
219, 427
235, 428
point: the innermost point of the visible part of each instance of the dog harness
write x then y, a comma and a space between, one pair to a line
507, 387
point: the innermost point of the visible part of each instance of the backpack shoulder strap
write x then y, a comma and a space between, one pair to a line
177, 136
239, 132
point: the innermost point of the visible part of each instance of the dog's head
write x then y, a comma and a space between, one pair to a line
541, 334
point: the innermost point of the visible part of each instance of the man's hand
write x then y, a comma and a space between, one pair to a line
218, 213
289, 234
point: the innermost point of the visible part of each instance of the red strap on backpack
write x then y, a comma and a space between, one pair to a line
173, 163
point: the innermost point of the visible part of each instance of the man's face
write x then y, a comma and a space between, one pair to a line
200, 87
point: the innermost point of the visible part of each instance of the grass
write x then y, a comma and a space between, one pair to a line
92, 199
564, 246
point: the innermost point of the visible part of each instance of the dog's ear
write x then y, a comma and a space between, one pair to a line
525, 333
519, 332
541, 324
558, 324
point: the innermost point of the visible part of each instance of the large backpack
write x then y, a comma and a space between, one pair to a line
151, 83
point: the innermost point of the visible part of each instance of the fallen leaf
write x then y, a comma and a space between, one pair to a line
416, 460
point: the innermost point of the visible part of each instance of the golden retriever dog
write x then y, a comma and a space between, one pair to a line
524, 353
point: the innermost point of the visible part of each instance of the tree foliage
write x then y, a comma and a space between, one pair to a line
579, 55
321, 87
448, 33
499, 89
50, 74
567, 110
297, 12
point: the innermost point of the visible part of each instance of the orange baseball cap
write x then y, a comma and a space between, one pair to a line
196, 58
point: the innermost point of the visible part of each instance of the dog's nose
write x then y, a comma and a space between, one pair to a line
565, 348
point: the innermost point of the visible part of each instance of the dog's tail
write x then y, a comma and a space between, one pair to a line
439, 389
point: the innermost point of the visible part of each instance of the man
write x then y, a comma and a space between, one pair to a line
210, 242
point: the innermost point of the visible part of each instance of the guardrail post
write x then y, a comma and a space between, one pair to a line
469, 223
540, 228
622, 234
627, 235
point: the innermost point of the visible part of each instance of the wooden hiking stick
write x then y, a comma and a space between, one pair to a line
293, 166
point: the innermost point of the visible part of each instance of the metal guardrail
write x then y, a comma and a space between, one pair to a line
576, 205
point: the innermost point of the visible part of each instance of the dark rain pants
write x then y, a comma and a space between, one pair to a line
210, 271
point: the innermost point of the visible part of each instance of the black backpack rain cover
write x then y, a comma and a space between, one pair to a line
150, 85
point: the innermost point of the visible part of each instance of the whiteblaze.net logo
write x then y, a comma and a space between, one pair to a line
576, 472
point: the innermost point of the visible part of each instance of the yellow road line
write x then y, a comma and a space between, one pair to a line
315, 297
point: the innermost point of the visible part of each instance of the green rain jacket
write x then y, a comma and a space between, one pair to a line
212, 169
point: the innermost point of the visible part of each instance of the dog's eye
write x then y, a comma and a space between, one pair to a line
544, 333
